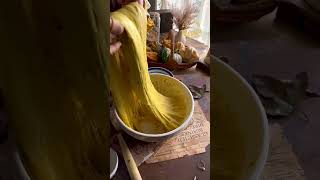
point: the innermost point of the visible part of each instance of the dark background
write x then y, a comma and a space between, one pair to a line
275, 48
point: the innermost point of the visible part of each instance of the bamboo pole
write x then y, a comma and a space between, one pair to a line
53, 78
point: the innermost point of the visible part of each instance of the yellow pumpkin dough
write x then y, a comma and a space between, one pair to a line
138, 103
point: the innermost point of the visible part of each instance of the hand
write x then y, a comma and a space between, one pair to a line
116, 29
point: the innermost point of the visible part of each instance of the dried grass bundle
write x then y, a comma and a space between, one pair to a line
184, 16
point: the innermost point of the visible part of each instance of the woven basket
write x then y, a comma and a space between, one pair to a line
242, 12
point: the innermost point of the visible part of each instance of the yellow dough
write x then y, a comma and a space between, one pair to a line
139, 104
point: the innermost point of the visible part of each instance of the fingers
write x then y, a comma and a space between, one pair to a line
113, 38
141, 2
115, 47
115, 27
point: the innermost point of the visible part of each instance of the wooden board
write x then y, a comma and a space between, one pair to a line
282, 163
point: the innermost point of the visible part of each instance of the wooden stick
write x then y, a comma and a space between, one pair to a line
131, 164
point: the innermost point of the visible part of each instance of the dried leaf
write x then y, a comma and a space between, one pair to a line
312, 94
185, 16
197, 92
280, 97
297, 91
277, 107
269, 87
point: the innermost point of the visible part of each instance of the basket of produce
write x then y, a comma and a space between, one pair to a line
173, 50
175, 56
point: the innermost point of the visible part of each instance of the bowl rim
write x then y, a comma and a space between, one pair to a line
262, 157
116, 165
169, 73
182, 126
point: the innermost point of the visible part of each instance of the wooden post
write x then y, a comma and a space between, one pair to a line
53, 79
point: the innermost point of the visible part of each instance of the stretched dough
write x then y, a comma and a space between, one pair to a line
138, 102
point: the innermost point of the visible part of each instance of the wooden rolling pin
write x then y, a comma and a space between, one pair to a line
127, 156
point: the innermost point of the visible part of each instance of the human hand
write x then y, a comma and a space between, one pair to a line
116, 29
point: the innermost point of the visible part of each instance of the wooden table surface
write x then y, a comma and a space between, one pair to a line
182, 168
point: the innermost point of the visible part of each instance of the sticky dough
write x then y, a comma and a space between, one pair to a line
139, 104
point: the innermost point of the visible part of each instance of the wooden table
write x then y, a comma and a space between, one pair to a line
182, 168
